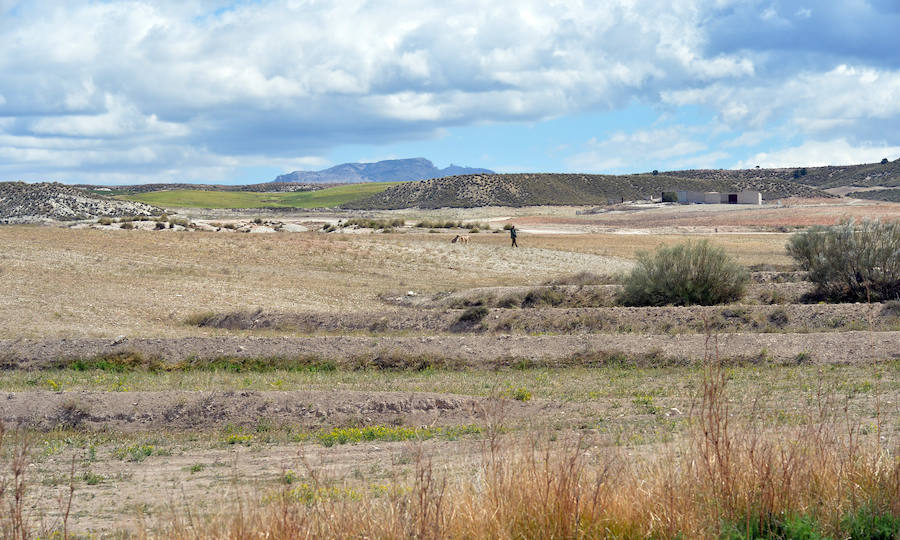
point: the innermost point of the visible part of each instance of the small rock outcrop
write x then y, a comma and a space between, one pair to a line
22, 202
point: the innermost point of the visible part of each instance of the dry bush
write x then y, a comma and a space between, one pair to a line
685, 274
851, 261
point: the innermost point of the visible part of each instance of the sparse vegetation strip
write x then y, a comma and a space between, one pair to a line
853, 346
535, 312
133, 361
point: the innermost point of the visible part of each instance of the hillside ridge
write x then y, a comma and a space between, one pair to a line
884, 174
535, 189
21, 202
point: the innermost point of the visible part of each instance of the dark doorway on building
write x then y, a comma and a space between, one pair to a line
732, 198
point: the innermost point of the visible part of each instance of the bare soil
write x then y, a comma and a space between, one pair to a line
723, 218
472, 350
567, 320
203, 411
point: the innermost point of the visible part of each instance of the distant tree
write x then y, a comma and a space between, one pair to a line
655, 172
883, 161
797, 173
669, 196
803, 171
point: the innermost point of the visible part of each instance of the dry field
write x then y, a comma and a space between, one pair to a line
306, 384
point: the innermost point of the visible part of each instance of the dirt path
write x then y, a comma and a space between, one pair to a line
471, 350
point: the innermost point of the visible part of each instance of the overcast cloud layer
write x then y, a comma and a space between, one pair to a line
194, 90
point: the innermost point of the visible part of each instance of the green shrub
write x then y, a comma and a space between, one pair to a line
891, 308
867, 523
773, 296
544, 297
685, 274
669, 196
520, 394
473, 315
779, 318
851, 261
92, 479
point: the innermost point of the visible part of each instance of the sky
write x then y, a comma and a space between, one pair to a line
124, 92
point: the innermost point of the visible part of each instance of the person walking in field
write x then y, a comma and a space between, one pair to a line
512, 236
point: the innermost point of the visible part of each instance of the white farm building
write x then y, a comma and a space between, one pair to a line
716, 197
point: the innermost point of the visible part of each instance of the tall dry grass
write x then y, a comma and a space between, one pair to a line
547, 492
20, 518
723, 479
14, 461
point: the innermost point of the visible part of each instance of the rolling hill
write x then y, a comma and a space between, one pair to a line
564, 189
885, 174
22, 202
320, 198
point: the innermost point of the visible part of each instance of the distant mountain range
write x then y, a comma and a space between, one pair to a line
390, 170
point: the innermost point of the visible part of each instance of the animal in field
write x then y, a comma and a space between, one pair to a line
460, 238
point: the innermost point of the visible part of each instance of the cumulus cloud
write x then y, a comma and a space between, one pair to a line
298, 78
820, 153
187, 89
844, 100
666, 148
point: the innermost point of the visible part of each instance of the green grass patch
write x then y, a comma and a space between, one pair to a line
328, 197
389, 434
135, 452
131, 361
862, 523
